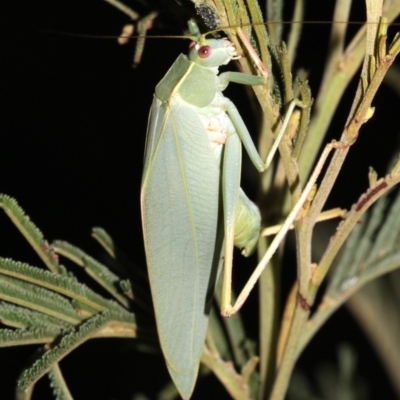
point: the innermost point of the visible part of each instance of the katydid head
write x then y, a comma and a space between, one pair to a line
212, 52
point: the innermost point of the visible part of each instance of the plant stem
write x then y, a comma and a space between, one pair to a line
289, 356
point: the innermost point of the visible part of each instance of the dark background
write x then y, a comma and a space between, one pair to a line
72, 126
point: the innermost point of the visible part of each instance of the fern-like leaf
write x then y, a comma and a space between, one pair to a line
377, 250
20, 317
66, 286
57, 382
37, 298
69, 342
99, 272
105, 240
20, 337
30, 231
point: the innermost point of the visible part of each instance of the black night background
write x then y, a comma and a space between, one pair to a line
73, 124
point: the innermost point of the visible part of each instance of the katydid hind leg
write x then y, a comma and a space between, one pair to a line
242, 219
231, 170
284, 229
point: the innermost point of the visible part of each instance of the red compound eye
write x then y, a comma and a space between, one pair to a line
204, 51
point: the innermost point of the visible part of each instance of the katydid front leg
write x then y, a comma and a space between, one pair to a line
232, 111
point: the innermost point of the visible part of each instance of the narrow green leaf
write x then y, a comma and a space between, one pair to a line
29, 230
9, 338
66, 286
105, 240
68, 343
215, 329
99, 272
37, 298
235, 330
225, 372
57, 382
20, 317
377, 239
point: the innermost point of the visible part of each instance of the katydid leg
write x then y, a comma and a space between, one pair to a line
231, 170
239, 77
247, 140
231, 179
281, 234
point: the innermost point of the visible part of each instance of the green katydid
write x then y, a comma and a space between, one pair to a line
192, 165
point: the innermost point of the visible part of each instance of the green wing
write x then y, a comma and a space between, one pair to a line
180, 196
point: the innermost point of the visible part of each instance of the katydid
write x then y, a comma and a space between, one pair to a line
192, 166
